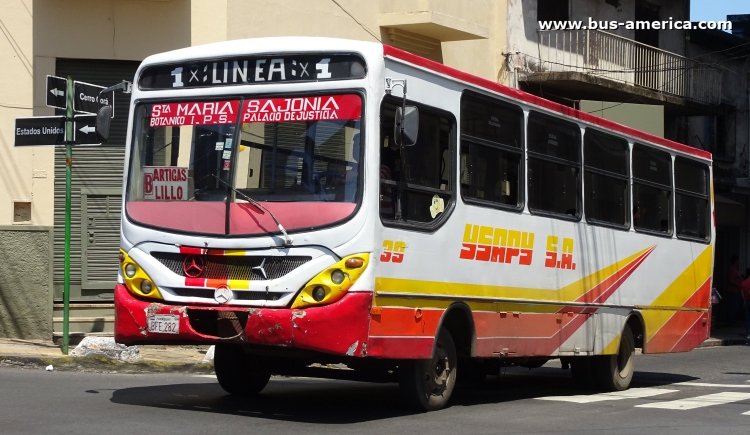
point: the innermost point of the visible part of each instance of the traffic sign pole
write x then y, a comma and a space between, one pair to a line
69, 121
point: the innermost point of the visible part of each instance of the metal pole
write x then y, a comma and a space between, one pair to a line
68, 176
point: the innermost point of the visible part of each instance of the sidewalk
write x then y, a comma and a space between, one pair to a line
105, 356
102, 354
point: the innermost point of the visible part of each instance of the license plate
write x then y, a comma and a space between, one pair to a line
164, 323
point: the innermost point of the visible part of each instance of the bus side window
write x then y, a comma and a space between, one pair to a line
652, 190
606, 192
554, 149
413, 184
491, 153
692, 199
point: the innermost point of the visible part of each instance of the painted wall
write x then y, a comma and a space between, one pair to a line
25, 282
17, 165
646, 117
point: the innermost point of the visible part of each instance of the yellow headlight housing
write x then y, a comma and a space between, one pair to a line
136, 279
331, 284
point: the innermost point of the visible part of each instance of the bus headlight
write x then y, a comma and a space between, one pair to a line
331, 284
337, 276
136, 279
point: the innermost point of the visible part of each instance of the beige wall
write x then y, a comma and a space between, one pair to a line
35, 34
646, 117
358, 20
16, 181
40, 31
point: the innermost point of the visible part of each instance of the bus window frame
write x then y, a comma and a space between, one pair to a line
610, 175
466, 138
403, 186
654, 185
533, 154
704, 196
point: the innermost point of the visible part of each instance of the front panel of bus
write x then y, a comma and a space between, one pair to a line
245, 211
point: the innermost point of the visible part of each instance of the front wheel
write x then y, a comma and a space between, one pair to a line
614, 372
239, 373
427, 385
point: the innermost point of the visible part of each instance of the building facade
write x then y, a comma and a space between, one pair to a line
102, 43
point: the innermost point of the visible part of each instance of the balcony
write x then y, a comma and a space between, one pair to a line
593, 64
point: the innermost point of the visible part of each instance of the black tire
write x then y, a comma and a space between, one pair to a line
239, 373
427, 385
614, 372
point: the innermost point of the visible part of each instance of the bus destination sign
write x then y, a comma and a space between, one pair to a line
252, 70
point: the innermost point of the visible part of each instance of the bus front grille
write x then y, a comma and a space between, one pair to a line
231, 267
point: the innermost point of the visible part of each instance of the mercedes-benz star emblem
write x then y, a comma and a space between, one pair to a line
194, 266
261, 269
223, 295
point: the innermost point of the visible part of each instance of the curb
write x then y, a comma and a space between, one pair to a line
103, 364
712, 342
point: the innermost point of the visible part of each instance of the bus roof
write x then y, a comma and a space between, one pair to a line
525, 97
306, 44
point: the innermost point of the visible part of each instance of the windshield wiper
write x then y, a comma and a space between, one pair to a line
287, 239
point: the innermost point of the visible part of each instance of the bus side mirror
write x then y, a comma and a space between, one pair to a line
406, 125
103, 121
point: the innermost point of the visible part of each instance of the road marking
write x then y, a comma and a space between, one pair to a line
706, 384
633, 393
699, 401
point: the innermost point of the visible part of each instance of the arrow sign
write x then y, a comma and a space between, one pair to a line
85, 130
56, 92
40, 130
87, 99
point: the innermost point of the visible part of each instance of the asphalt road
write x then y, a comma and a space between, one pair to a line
701, 392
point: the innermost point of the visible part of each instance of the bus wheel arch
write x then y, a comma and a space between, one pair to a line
615, 372
427, 385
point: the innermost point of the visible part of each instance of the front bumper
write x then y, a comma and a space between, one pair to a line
340, 328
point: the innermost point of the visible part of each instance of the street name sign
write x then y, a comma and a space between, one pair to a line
56, 87
50, 130
84, 132
40, 130
87, 98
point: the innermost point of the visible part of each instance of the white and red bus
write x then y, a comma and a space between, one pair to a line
303, 202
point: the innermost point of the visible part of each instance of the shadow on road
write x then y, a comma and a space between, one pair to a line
343, 402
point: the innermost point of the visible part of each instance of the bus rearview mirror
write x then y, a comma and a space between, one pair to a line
103, 121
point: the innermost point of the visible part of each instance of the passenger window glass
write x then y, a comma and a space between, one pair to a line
491, 152
692, 199
554, 166
416, 181
652, 190
606, 193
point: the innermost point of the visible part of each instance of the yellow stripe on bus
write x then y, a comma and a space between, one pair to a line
678, 292
556, 297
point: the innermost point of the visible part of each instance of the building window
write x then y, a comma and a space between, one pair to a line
552, 10
606, 194
491, 152
652, 190
554, 162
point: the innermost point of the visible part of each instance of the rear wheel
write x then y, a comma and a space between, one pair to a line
614, 372
239, 373
427, 385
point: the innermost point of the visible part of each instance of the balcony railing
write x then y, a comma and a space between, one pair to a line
620, 59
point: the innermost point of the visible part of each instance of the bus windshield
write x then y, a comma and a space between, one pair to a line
224, 167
